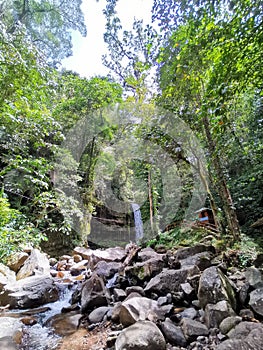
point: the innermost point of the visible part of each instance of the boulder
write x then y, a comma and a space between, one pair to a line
215, 313
193, 329
201, 260
94, 256
107, 269
98, 314
254, 277
29, 292
148, 253
251, 341
140, 309
36, 264
229, 323
16, 260
10, 327
173, 334
6, 275
93, 294
184, 253
78, 268
256, 301
214, 286
170, 280
243, 329
142, 335
143, 270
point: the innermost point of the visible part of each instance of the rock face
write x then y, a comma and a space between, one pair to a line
29, 292
214, 286
142, 335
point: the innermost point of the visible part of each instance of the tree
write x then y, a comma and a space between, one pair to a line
131, 55
212, 64
48, 24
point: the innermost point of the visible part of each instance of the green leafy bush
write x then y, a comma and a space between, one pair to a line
15, 230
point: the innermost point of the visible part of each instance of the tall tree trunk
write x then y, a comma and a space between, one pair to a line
223, 190
150, 198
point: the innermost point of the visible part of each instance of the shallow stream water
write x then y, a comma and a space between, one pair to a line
41, 337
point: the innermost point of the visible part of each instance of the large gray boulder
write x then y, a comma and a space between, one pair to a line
29, 292
173, 333
244, 339
170, 280
36, 264
256, 301
184, 253
141, 309
93, 294
214, 286
215, 313
143, 335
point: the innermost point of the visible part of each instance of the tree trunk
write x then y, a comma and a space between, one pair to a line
223, 190
150, 198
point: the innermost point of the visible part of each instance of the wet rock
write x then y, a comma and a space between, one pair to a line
93, 293
97, 315
192, 329
256, 301
173, 334
215, 313
29, 320
36, 264
10, 327
64, 324
141, 336
229, 323
170, 280
29, 292
8, 343
254, 277
79, 267
214, 286
16, 261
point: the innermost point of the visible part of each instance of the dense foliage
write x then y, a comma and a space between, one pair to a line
203, 68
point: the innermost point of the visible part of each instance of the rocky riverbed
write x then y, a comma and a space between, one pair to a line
130, 299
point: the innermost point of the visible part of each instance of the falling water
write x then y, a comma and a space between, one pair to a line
137, 222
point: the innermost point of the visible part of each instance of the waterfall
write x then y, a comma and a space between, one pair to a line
137, 222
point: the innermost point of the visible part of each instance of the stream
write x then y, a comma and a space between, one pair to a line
39, 336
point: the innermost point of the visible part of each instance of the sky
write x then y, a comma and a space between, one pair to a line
87, 52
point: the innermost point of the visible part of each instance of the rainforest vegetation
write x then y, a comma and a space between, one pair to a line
200, 61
